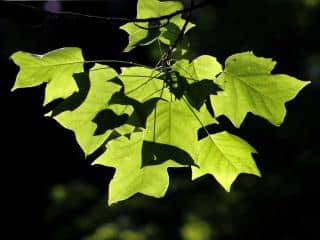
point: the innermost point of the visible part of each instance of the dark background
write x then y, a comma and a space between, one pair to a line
51, 192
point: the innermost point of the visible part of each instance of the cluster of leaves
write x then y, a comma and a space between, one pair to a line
146, 119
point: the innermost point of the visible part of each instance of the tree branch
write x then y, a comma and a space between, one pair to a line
112, 19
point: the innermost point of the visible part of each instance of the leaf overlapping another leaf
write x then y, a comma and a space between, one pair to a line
125, 155
166, 30
148, 118
173, 123
80, 120
200, 75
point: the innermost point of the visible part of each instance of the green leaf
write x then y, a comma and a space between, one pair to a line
165, 30
139, 35
54, 68
171, 31
248, 86
201, 68
141, 83
136, 34
176, 123
80, 119
125, 155
200, 74
225, 156
155, 8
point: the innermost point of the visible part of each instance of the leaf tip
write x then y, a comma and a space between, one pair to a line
227, 187
13, 88
48, 114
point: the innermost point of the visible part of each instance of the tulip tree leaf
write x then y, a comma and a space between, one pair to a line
249, 86
145, 120
201, 68
200, 75
166, 30
225, 156
167, 125
139, 35
125, 155
141, 83
54, 68
80, 120
170, 31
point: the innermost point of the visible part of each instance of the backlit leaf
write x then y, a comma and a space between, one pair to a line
54, 68
224, 156
80, 119
165, 30
249, 86
176, 123
125, 155
141, 83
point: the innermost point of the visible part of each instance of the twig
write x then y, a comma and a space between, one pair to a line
112, 19
181, 33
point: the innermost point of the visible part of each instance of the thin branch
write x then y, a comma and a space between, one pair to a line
117, 61
111, 19
153, 27
181, 33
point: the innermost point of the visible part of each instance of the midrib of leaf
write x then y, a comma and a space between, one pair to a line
246, 83
194, 70
90, 61
206, 130
250, 87
222, 153
139, 30
209, 135
54, 65
196, 116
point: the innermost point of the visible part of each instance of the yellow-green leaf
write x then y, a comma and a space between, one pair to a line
80, 119
125, 155
249, 86
54, 68
225, 156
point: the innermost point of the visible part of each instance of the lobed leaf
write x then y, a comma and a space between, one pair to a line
225, 156
125, 155
54, 68
140, 83
200, 75
165, 30
175, 123
249, 86
81, 119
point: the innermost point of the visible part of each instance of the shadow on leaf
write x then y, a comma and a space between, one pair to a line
157, 153
198, 92
76, 99
107, 119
